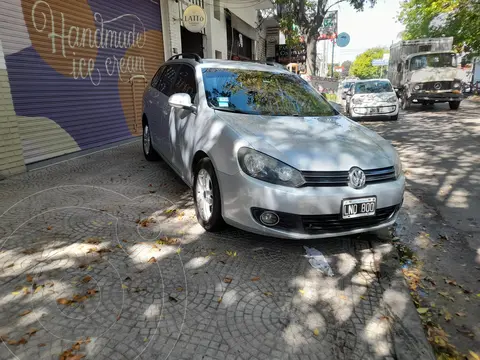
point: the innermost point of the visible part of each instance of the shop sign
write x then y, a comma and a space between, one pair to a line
194, 19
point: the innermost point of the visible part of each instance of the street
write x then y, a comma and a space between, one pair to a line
102, 256
440, 151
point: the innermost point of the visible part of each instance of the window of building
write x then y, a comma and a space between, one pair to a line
216, 9
218, 54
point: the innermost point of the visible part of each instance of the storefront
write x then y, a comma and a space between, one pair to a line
77, 70
241, 38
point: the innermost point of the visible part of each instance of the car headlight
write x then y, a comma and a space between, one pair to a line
456, 85
357, 100
392, 99
269, 169
397, 165
417, 87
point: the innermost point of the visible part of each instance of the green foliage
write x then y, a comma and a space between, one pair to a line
336, 75
362, 65
438, 18
346, 67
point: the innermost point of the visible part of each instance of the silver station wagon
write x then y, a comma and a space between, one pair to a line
264, 152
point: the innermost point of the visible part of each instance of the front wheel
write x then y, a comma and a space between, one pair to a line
148, 150
206, 196
454, 105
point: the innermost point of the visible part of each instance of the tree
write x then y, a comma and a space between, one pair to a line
304, 18
336, 74
362, 65
346, 67
438, 18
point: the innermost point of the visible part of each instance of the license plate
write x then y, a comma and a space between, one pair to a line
353, 208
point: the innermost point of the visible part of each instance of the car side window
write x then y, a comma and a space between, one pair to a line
166, 81
186, 82
157, 76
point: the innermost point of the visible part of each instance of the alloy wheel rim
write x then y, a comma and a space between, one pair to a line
146, 139
204, 194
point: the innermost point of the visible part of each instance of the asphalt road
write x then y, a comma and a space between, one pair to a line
440, 151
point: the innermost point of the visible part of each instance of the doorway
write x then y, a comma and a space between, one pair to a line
192, 42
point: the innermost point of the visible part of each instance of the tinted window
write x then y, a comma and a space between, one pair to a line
262, 92
185, 82
157, 76
167, 79
368, 87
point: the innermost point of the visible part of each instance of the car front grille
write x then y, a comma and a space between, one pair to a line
340, 178
318, 224
437, 85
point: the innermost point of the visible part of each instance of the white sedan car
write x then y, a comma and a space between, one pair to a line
372, 98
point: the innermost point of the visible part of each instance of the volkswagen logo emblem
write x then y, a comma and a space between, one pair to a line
356, 178
437, 86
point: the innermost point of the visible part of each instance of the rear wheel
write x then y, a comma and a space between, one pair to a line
148, 151
206, 196
454, 105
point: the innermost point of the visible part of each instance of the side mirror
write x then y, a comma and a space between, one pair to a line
182, 101
348, 93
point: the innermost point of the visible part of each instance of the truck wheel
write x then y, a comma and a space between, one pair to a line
454, 105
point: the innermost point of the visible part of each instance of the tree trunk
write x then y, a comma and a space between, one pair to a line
311, 54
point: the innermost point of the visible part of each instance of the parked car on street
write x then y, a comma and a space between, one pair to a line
372, 98
264, 152
345, 86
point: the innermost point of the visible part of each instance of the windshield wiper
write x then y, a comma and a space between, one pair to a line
231, 110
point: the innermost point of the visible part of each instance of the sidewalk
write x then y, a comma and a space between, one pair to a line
101, 256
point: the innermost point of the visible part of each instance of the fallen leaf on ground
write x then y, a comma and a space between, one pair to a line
446, 295
21, 341
171, 298
179, 250
15, 292
91, 291
461, 314
49, 228
362, 297
152, 260
227, 280
179, 289
472, 355
23, 313
450, 282
86, 279
124, 286
301, 291
29, 251
9, 266
448, 316
32, 332
430, 280
267, 293
64, 301
38, 288
42, 345
422, 310
29, 278
256, 278
316, 332
79, 298
466, 331
93, 240
119, 246
219, 300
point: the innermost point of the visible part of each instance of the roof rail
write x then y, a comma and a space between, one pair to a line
187, 56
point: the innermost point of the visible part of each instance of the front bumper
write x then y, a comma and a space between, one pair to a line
241, 195
436, 96
381, 110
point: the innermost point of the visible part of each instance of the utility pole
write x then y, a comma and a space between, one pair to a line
333, 50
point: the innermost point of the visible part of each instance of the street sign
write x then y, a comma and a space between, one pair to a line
328, 30
343, 39
379, 62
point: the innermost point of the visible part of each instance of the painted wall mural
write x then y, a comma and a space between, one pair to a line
83, 64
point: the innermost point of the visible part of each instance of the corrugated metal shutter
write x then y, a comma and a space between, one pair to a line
77, 70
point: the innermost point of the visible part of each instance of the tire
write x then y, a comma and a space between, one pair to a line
204, 180
148, 151
454, 105
394, 117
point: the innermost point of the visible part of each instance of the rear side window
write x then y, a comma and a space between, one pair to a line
166, 81
186, 82
157, 76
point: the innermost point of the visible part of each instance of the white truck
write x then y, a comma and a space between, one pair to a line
424, 71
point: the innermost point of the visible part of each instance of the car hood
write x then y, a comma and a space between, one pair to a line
332, 143
433, 74
375, 98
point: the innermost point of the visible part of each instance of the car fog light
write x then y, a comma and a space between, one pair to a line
417, 87
269, 218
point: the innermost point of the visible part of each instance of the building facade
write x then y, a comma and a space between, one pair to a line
72, 72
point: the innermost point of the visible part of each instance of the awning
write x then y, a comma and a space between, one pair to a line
243, 27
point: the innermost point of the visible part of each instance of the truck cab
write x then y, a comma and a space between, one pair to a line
425, 77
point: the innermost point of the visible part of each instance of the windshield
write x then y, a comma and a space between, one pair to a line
433, 60
368, 87
262, 93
